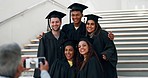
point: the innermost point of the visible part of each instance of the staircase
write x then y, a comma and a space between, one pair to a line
131, 39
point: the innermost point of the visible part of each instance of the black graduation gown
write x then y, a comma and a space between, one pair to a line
61, 69
72, 33
49, 47
103, 45
92, 69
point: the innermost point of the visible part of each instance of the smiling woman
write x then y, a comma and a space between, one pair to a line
90, 26
104, 47
69, 52
90, 67
66, 67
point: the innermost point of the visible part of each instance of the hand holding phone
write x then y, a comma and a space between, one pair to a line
44, 66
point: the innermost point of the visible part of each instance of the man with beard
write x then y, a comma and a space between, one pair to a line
49, 45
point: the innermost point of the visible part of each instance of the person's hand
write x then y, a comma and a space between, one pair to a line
23, 59
40, 36
111, 35
20, 68
44, 66
104, 57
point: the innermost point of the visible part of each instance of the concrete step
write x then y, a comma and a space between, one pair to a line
107, 18
122, 12
32, 46
123, 26
130, 38
137, 72
131, 42
33, 41
122, 21
127, 29
132, 69
29, 50
133, 51
132, 57
132, 61
133, 54
131, 48
127, 25
121, 16
131, 34
131, 65
32, 56
136, 45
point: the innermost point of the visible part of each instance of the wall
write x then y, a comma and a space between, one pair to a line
27, 25
134, 4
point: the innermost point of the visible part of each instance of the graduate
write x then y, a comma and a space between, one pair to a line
90, 66
49, 44
103, 46
75, 30
66, 67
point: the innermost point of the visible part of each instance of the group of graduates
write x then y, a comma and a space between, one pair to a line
78, 50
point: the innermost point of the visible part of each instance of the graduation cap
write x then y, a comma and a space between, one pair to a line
53, 14
76, 7
69, 42
92, 17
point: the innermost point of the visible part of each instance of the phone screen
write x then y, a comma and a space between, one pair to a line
34, 62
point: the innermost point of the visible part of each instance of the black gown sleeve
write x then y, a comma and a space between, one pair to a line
110, 49
92, 69
41, 48
95, 70
58, 70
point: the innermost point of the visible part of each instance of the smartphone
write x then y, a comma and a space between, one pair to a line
34, 62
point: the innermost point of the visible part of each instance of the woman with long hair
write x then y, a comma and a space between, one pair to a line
104, 47
90, 66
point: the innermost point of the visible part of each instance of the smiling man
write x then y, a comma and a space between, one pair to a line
49, 45
77, 29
